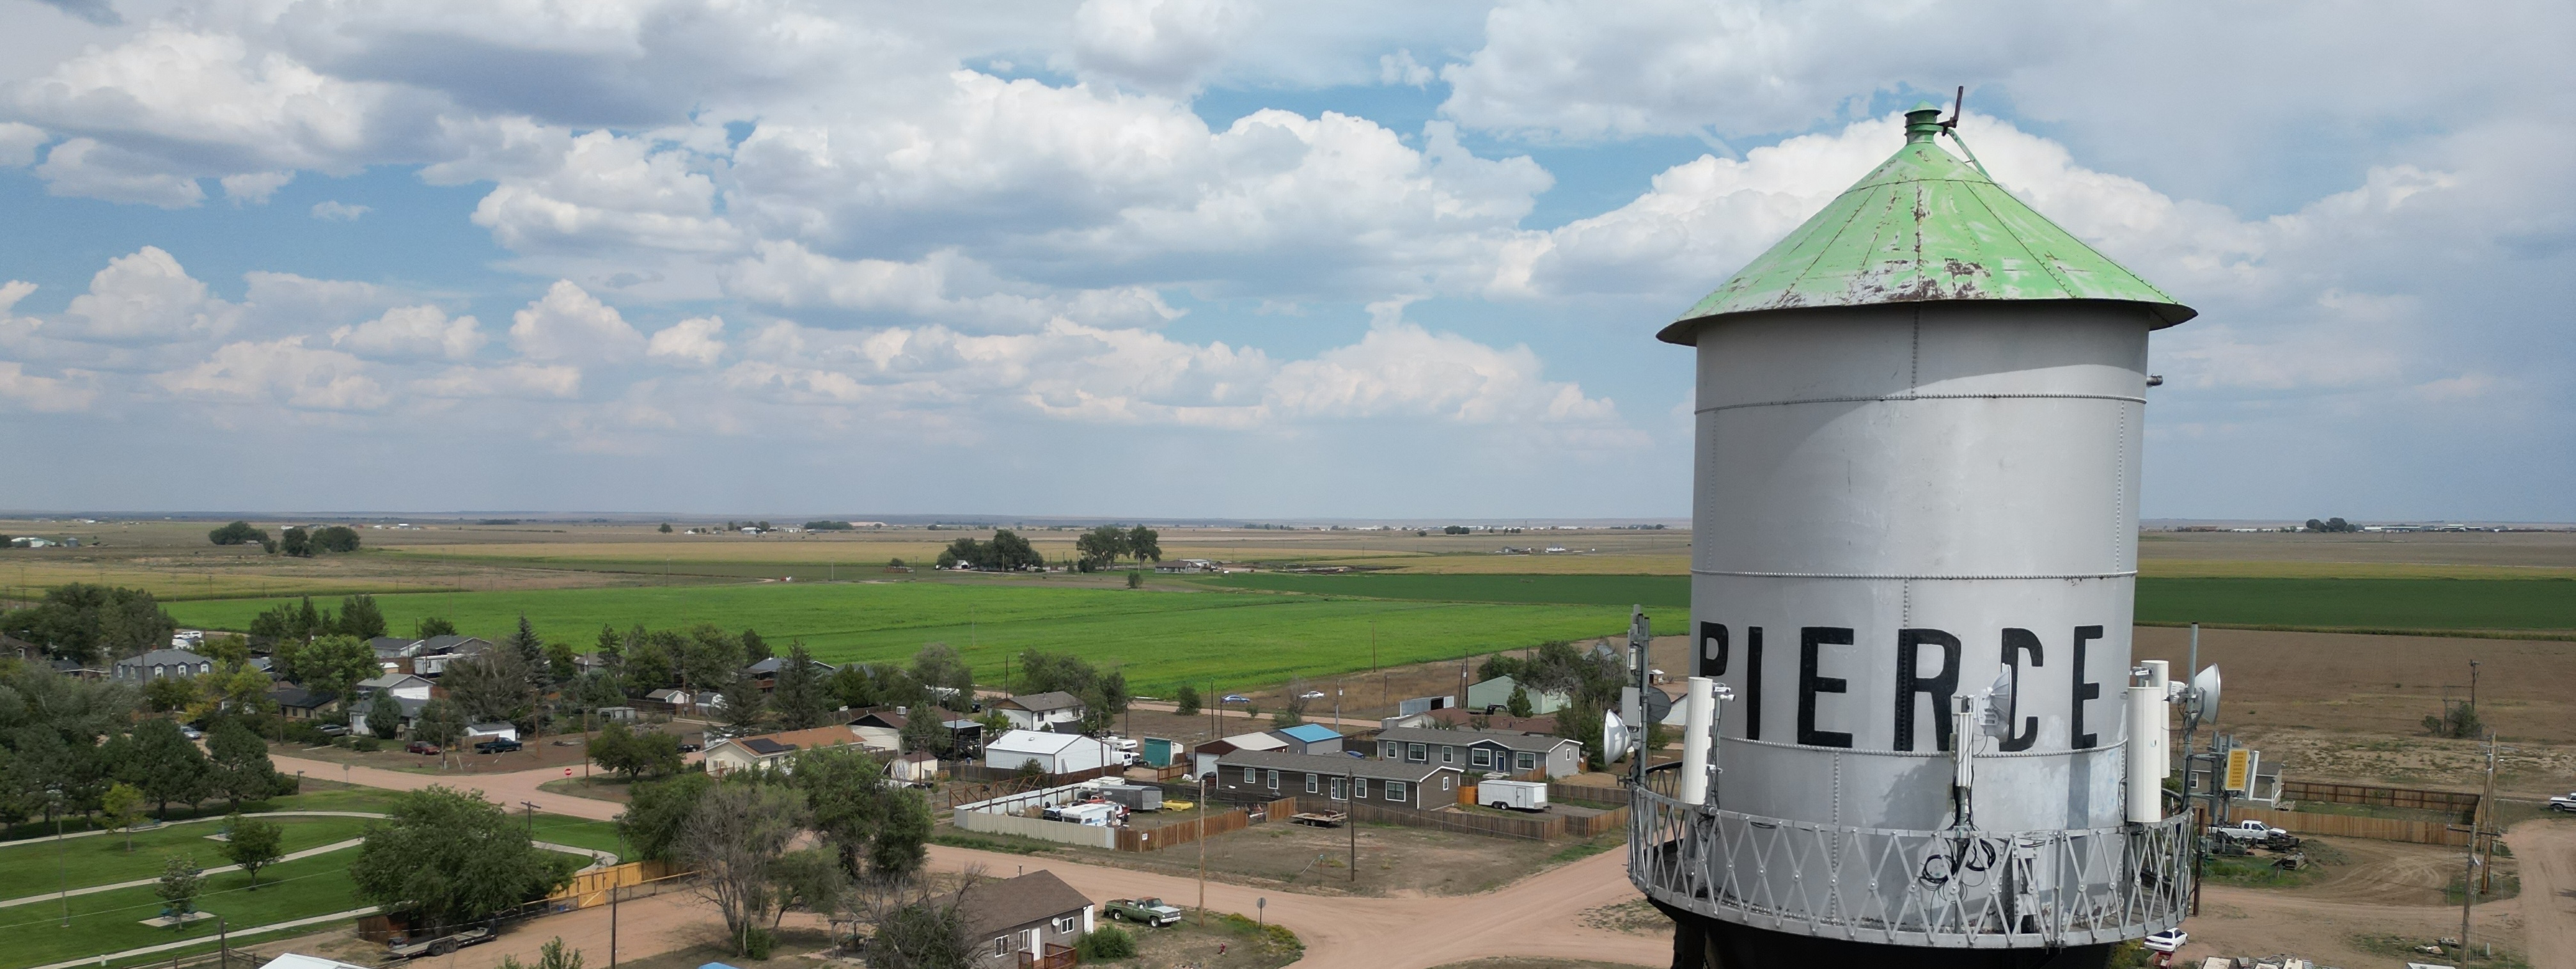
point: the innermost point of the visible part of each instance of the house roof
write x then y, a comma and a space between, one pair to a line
992, 908
880, 718
1498, 723
1036, 742
435, 645
391, 680
790, 741
298, 697
1047, 702
918, 756
1242, 741
664, 693
1507, 740
387, 647
1393, 770
1309, 733
163, 657
495, 726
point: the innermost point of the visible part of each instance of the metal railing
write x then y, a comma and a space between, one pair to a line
1943, 889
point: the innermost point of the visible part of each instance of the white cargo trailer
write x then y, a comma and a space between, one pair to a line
1513, 795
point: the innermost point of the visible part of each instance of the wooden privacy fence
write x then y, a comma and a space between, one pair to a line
2461, 803
1603, 795
1534, 828
592, 887
1585, 826
2348, 826
1170, 835
970, 771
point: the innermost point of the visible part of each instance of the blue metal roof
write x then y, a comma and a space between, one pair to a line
1309, 733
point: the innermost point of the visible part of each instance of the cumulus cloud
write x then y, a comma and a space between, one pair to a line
697, 340
18, 143
44, 395
279, 371
517, 380
608, 191
254, 187
84, 168
943, 286
1157, 45
412, 332
144, 297
568, 323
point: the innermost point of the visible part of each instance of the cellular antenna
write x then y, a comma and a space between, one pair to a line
1957, 101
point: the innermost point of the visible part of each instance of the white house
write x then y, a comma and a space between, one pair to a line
1040, 711
1496, 694
1205, 756
918, 767
404, 686
1056, 753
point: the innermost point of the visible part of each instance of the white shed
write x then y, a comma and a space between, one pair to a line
1057, 753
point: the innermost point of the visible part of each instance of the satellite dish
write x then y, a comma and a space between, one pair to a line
2204, 698
1614, 736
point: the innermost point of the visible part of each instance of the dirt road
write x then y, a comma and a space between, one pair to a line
507, 790
2547, 849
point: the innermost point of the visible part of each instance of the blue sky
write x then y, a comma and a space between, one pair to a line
1208, 257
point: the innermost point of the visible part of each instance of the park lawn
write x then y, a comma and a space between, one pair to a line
581, 833
319, 795
33, 935
1160, 638
32, 869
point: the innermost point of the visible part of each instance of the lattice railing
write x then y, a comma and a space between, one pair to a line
1974, 889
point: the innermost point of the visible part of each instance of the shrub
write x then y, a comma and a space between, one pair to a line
368, 745
1109, 942
306, 732
756, 943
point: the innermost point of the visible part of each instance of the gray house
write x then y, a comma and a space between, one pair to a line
438, 651
1495, 695
161, 663
1481, 751
1031, 920
1391, 783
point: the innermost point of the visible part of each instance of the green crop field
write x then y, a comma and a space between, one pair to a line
1160, 638
102, 859
2461, 604
1655, 592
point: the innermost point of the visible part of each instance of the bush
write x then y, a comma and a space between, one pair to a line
306, 732
368, 745
1109, 942
756, 943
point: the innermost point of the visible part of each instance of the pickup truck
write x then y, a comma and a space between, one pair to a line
1150, 911
438, 945
2563, 802
497, 745
2256, 833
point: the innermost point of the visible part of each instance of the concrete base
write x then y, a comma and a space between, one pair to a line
1704, 943
166, 922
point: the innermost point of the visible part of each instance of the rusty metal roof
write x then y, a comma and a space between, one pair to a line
1925, 226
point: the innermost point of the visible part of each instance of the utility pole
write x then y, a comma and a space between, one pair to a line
1203, 836
1351, 817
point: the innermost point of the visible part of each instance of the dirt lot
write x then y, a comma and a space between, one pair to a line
1394, 861
555, 750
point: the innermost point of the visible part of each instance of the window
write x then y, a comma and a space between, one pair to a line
1274, 780
1448, 755
1482, 757
1386, 750
1001, 945
1417, 753
1395, 791
1444, 783
1524, 760
1338, 788
1250, 775
1068, 924
1359, 787
1310, 783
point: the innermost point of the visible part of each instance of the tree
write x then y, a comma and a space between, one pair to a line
441, 722
734, 839
360, 618
754, 648
562, 664
1100, 548
1144, 543
634, 753
666, 528
1519, 703
745, 707
926, 731
333, 665
254, 844
656, 811
599, 688
225, 649
530, 650
124, 805
179, 888
1011, 553
1185, 701
170, 693
384, 715
924, 933
433, 626
708, 656
238, 533
337, 538
296, 542
452, 857
799, 693
490, 686
939, 665
165, 765
91, 623
610, 645
238, 768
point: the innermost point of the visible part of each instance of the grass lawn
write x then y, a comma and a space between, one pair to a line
110, 921
1162, 638
580, 833
319, 795
32, 869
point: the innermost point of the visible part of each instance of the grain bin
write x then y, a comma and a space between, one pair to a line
1915, 516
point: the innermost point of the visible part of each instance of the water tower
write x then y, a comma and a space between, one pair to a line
1915, 517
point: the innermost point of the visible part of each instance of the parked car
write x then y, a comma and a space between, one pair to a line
2168, 940
191, 733
333, 729
497, 745
2563, 802
689, 748
1150, 911
421, 747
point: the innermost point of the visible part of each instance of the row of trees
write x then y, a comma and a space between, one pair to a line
358, 617
741, 835
295, 541
1007, 552
92, 624
1100, 548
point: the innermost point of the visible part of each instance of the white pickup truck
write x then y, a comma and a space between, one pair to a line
2563, 802
2251, 833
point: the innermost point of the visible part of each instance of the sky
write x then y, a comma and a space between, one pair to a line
1210, 258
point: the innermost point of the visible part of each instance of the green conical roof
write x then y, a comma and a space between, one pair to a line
1925, 226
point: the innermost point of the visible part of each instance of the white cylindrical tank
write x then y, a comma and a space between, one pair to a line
1699, 707
1919, 421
